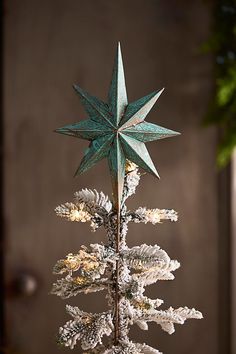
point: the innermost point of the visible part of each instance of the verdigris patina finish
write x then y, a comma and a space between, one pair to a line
117, 130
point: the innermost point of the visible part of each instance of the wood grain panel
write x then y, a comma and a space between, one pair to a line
49, 45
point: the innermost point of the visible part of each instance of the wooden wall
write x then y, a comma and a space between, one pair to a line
48, 46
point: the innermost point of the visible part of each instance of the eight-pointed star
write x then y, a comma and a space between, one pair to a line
117, 130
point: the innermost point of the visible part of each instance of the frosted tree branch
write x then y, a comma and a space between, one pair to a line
92, 269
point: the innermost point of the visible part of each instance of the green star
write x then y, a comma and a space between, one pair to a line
117, 130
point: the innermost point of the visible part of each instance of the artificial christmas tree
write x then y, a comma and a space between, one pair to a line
116, 131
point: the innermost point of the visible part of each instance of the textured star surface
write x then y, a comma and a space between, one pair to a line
117, 130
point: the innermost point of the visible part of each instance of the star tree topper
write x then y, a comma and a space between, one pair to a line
117, 130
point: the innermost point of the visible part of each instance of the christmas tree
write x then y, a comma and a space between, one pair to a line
116, 131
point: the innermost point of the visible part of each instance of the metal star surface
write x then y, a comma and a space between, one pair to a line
117, 130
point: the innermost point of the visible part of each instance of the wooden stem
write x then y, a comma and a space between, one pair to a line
117, 295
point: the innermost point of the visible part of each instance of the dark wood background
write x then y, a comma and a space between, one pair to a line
48, 46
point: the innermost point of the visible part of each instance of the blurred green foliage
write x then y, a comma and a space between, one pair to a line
222, 44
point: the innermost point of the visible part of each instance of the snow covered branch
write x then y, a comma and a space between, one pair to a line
86, 327
153, 216
167, 319
94, 268
94, 202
